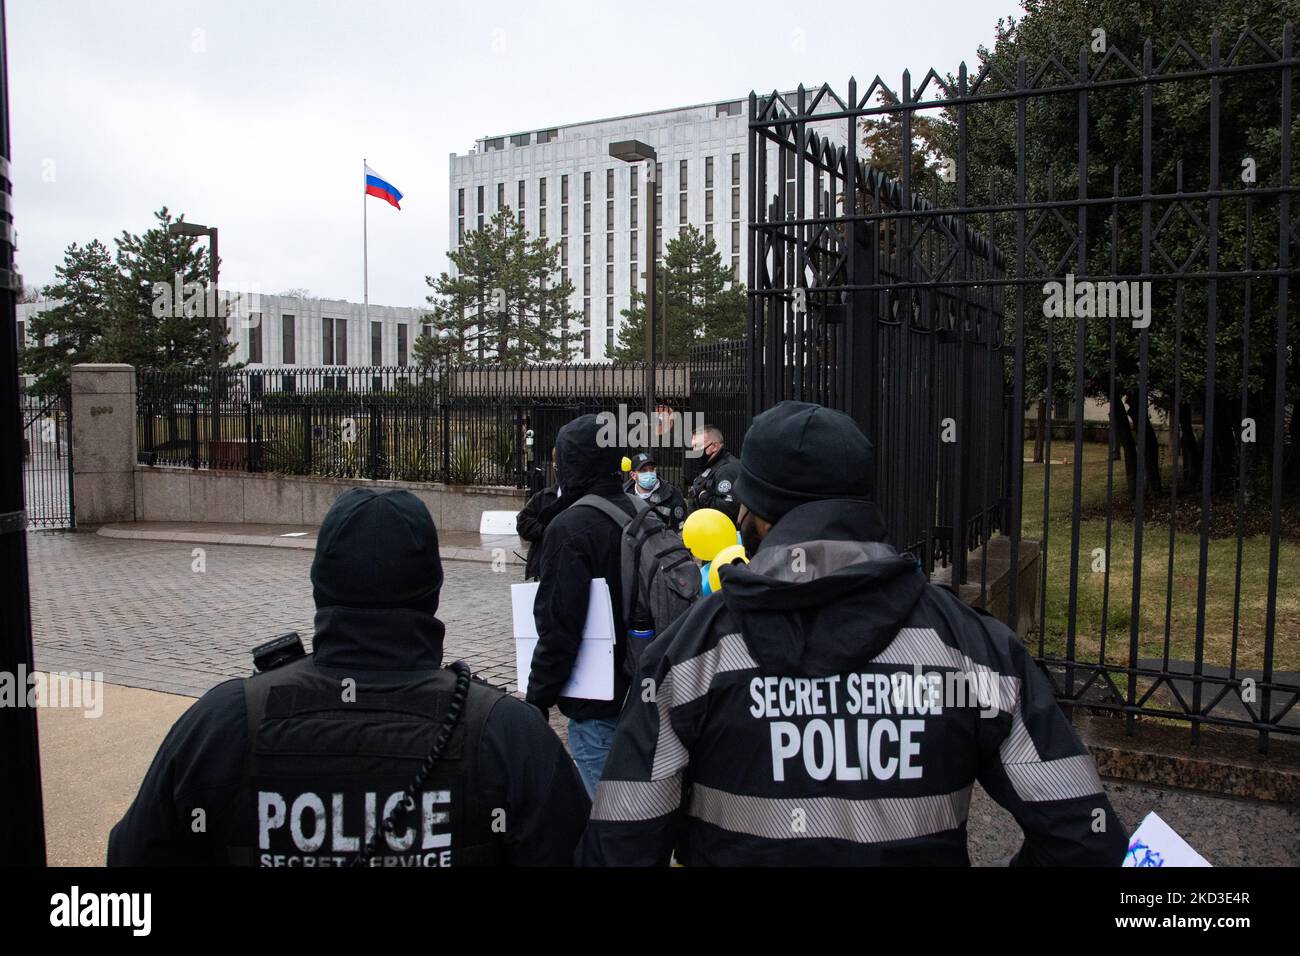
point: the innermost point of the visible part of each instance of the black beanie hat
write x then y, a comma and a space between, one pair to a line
797, 452
377, 548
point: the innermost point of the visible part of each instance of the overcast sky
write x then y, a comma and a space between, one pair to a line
254, 116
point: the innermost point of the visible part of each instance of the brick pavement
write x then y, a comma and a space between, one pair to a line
141, 614
138, 612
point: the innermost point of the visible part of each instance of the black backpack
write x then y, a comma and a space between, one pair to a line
660, 579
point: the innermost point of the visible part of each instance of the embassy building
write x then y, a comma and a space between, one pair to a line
566, 188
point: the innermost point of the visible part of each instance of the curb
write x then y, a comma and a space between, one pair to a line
1225, 763
447, 553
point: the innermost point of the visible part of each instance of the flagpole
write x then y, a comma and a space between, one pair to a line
365, 245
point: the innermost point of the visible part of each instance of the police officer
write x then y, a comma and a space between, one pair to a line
660, 495
714, 486
829, 705
323, 761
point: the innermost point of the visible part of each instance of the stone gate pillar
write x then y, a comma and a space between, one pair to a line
103, 443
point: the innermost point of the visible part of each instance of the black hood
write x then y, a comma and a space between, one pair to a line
825, 592
376, 579
587, 458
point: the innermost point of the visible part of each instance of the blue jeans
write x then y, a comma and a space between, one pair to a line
589, 742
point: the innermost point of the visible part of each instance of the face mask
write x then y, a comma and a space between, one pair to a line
647, 479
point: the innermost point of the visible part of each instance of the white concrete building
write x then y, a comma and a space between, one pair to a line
566, 187
288, 331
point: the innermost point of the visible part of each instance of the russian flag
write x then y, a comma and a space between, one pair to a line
377, 185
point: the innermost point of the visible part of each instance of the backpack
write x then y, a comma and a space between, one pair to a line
659, 576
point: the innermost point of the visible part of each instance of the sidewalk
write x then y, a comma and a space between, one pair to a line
452, 545
92, 768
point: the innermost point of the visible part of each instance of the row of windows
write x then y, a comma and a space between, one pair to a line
334, 341
683, 183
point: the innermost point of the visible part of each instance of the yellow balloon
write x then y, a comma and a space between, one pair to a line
626, 463
735, 554
707, 531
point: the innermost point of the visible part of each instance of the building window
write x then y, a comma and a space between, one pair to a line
288, 340
609, 247
255, 339
501, 196
541, 207
735, 169
586, 217
586, 280
586, 187
520, 139
681, 210
401, 344
586, 248
333, 341
376, 343
564, 190
546, 135
708, 172
498, 142
480, 207
609, 278
586, 343
728, 109
520, 209
659, 212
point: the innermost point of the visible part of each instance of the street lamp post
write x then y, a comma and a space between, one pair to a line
194, 230
635, 151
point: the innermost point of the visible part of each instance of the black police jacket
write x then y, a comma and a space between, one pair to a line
220, 791
667, 502
830, 706
712, 487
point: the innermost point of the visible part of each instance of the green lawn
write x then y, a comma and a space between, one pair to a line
1164, 625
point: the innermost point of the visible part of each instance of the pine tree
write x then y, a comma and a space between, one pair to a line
72, 331
705, 304
504, 304
152, 326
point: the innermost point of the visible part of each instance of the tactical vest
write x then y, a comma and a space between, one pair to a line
326, 763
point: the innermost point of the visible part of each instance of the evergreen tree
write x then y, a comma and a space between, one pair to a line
504, 304
72, 331
705, 304
157, 324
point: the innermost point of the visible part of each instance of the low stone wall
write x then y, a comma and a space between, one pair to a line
183, 494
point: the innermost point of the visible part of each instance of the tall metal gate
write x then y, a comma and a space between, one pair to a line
47, 460
1105, 231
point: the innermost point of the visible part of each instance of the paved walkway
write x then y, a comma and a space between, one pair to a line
180, 617
149, 614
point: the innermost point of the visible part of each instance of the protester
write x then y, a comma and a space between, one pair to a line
659, 494
714, 486
580, 544
301, 764
530, 525
829, 705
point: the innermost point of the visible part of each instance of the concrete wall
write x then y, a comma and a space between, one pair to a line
103, 442
182, 494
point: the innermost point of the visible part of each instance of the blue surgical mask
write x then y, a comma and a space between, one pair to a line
647, 479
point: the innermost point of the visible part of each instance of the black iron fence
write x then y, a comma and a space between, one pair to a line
47, 460
1109, 229
464, 425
